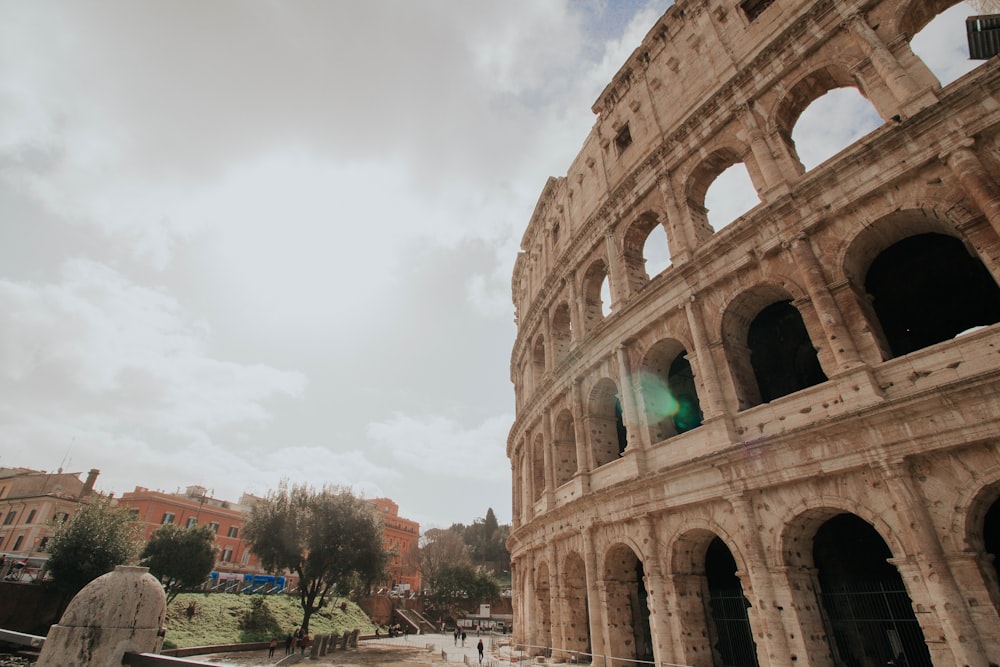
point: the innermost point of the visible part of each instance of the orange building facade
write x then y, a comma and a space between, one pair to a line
195, 507
402, 537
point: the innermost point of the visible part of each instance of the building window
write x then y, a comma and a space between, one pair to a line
246, 557
31, 516
754, 8
44, 543
168, 517
623, 139
192, 522
10, 517
60, 517
233, 531
214, 526
227, 555
17, 543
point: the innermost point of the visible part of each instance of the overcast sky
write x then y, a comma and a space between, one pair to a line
249, 241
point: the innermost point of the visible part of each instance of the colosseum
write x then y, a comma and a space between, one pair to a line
782, 448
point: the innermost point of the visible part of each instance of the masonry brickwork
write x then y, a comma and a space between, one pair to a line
783, 449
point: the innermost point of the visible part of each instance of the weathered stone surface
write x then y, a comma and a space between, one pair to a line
887, 439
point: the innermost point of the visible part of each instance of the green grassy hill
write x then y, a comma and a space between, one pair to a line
201, 619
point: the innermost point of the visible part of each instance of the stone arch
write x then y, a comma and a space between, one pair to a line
593, 304
800, 94
627, 610
561, 332
564, 447
978, 523
911, 17
767, 345
537, 467
538, 360
542, 637
634, 249
606, 424
669, 394
576, 605
710, 600
918, 282
700, 179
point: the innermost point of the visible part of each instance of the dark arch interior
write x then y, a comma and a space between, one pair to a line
865, 602
991, 535
620, 427
680, 381
927, 288
782, 355
642, 633
732, 638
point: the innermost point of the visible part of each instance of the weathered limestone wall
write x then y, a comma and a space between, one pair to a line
905, 442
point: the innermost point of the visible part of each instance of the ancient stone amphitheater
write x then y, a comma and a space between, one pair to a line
783, 448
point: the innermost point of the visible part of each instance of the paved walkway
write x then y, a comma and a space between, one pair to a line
496, 647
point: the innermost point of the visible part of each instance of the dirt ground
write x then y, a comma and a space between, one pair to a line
366, 655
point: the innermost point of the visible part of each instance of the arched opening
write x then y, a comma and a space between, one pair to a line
542, 633
538, 360
928, 288
627, 608
645, 251
942, 43
538, 467
730, 195
594, 293
608, 435
991, 537
831, 123
576, 611
868, 613
564, 448
732, 638
782, 355
668, 391
606, 296
562, 332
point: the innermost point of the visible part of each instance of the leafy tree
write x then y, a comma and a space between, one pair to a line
91, 543
439, 548
330, 538
455, 587
179, 557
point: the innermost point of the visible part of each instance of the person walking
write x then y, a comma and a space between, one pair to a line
288, 644
273, 645
463, 637
479, 647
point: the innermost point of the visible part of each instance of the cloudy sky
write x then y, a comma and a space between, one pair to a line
247, 241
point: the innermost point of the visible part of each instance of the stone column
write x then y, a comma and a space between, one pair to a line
810, 646
575, 321
975, 180
713, 403
121, 611
765, 603
630, 412
597, 594
896, 78
658, 599
942, 592
762, 154
557, 634
584, 459
679, 237
616, 272
547, 445
837, 335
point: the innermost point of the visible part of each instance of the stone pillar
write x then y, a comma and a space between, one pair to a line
967, 569
679, 237
810, 647
975, 180
557, 634
633, 424
547, 445
899, 82
656, 588
713, 403
121, 611
597, 594
575, 317
584, 452
765, 610
762, 154
941, 592
616, 272
837, 335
